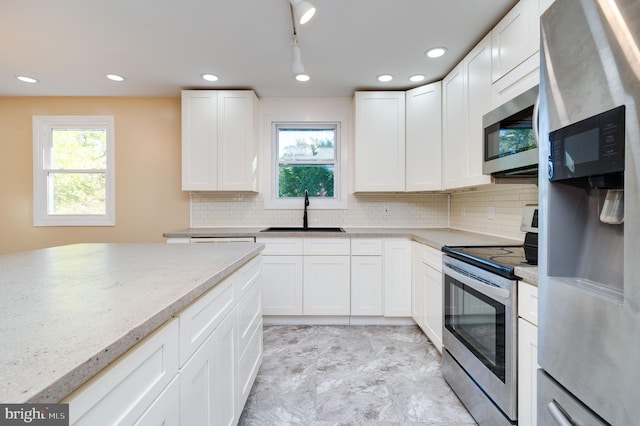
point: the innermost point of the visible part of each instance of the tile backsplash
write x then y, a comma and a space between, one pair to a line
364, 210
495, 211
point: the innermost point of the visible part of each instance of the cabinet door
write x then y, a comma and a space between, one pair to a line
326, 285
479, 92
424, 138
418, 289
397, 278
237, 148
208, 379
282, 285
454, 129
199, 140
515, 38
225, 386
379, 141
433, 304
527, 373
366, 285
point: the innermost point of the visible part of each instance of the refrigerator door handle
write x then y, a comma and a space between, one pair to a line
558, 414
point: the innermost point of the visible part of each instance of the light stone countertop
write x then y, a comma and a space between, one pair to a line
67, 312
528, 274
433, 237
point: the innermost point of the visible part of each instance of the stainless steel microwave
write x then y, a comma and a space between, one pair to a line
510, 139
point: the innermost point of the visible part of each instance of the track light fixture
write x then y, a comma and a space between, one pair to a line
303, 10
296, 64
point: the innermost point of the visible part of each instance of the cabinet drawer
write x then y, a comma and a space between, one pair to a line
431, 257
366, 247
249, 315
281, 246
247, 276
199, 320
528, 302
327, 246
127, 389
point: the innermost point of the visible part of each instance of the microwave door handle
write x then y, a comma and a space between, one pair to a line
536, 108
495, 293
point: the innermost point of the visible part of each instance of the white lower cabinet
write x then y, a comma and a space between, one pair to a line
188, 371
366, 277
397, 278
282, 284
527, 354
366, 285
208, 379
326, 288
306, 276
427, 292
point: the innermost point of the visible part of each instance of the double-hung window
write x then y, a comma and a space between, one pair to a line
306, 159
73, 171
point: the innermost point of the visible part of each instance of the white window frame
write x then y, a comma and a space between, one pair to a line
339, 200
42, 128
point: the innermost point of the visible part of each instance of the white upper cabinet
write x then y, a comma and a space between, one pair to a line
219, 143
379, 141
515, 38
424, 138
466, 98
515, 51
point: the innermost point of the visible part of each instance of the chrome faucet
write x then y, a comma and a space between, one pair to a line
305, 221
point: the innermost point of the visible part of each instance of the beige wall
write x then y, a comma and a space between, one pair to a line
149, 200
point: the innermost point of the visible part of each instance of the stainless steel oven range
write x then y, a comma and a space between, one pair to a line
480, 329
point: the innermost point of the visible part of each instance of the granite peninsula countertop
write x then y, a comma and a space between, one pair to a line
67, 312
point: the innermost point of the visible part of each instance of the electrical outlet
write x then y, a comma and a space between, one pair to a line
386, 211
491, 213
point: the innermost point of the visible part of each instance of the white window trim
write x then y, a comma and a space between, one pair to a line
42, 125
339, 201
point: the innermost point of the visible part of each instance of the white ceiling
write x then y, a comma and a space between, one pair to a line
163, 46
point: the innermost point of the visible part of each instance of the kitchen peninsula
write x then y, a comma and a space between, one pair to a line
68, 312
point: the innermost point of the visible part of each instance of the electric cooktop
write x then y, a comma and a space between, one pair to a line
500, 260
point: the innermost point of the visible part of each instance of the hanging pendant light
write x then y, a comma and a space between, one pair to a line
303, 10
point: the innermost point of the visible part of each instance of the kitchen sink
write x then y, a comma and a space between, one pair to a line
301, 229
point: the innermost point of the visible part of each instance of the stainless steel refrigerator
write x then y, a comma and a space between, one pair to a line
589, 260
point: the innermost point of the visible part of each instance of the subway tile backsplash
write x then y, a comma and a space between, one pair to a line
494, 210
405, 210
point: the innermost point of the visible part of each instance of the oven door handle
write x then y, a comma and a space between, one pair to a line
496, 293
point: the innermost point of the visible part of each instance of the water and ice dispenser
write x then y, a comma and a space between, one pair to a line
586, 199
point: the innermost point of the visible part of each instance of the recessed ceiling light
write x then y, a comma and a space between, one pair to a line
115, 77
436, 52
416, 78
26, 79
385, 77
303, 77
210, 77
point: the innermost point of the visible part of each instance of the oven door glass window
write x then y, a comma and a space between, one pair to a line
478, 322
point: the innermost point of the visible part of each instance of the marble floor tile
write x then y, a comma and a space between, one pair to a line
351, 375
